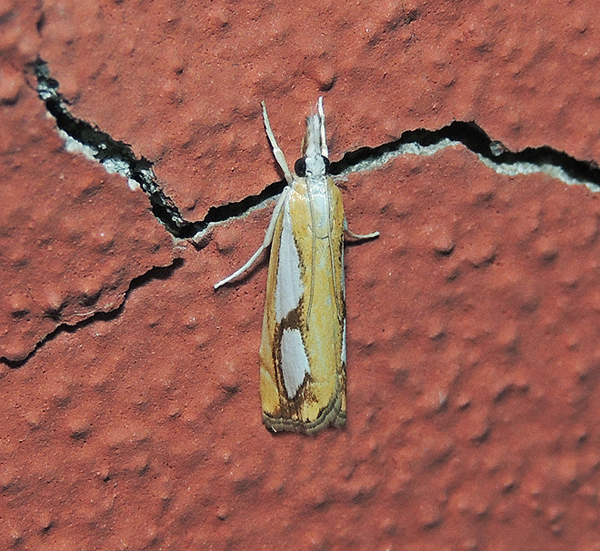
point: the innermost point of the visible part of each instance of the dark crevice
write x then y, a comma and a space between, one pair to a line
109, 151
231, 210
476, 140
112, 153
156, 273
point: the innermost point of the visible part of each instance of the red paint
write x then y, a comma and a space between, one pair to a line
472, 321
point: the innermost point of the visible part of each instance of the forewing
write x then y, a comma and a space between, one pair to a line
302, 356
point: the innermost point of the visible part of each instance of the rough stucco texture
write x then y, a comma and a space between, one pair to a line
473, 320
72, 237
185, 79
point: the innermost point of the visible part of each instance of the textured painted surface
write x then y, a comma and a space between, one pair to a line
72, 237
185, 79
473, 356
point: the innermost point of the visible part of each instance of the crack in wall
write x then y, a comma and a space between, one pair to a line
109, 314
114, 155
493, 154
118, 156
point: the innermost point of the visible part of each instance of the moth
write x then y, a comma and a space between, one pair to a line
303, 347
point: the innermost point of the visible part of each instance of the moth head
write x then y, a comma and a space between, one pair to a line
313, 166
314, 161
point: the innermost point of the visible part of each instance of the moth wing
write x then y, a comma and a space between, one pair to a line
302, 354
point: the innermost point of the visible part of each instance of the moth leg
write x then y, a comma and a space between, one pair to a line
265, 244
277, 153
357, 236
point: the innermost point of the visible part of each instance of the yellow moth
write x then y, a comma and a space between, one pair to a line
303, 348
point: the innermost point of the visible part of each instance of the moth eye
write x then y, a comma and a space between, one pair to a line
326, 161
300, 167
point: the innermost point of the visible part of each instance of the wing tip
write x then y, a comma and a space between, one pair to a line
331, 416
